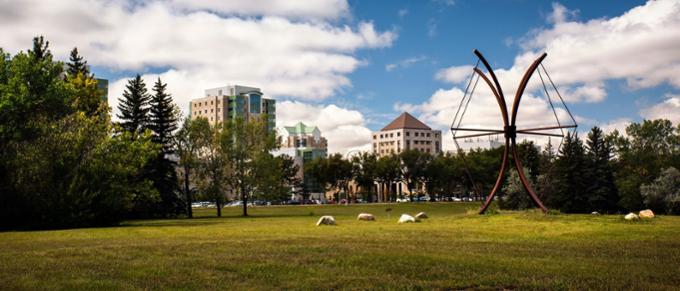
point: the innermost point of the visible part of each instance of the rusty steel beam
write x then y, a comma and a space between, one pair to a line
478, 129
510, 130
547, 128
539, 133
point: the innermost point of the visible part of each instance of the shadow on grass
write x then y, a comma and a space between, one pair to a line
205, 220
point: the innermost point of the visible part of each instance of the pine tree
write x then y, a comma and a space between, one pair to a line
603, 193
572, 177
162, 117
77, 64
134, 106
163, 122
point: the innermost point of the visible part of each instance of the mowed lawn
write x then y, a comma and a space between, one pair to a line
281, 248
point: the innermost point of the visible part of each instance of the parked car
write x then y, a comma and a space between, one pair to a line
403, 199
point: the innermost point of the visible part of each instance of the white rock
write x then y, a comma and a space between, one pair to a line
326, 219
421, 215
366, 216
405, 218
647, 213
631, 216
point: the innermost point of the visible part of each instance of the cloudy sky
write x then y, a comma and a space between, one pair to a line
350, 67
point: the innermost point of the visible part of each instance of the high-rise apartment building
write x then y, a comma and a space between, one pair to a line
229, 102
406, 133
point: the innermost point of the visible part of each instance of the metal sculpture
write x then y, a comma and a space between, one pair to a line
509, 130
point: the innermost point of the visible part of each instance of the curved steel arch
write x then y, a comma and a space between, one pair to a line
509, 128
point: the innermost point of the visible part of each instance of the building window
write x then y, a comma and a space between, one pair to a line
374, 136
255, 101
428, 134
211, 111
398, 133
415, 133
391, 134
436, 135
408, 133
381, 136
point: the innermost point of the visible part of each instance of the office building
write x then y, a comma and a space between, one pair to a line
406, 133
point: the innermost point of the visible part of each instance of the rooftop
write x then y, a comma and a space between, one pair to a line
406, 120
300, 128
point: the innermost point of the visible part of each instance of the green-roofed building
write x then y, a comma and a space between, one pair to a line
305, 143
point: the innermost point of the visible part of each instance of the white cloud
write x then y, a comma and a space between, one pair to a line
285, 48
668, 109
402, 12
454, 75
560, 13
405, 63
641, 46
590, 93
319, 9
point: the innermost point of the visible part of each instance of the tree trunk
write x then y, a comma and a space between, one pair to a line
244, 198
219, 208
187, 192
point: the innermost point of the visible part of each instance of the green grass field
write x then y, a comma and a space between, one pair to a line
281, 248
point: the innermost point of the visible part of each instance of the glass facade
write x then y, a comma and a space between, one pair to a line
255, 103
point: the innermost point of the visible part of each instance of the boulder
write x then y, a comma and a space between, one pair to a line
631, 216
421, 215
594, 213
647, 213
326, 219
405, 218
366, 216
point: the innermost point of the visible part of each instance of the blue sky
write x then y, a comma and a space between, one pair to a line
351, 66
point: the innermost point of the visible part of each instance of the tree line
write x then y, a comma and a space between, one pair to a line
65, 163
607, 173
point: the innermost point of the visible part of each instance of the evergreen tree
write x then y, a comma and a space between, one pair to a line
77, 64
514, 196
572, 175
544, 182
134, 106
529, 156
162, 123
162, 117
603, 195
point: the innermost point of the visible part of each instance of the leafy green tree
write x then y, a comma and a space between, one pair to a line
276, 177
77, 64
649, 147
663, 195
214, 165
247, 141
161, 170
388, 173
334, 173
413, 165
134, 106
189, 141
364, 171
603, 192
